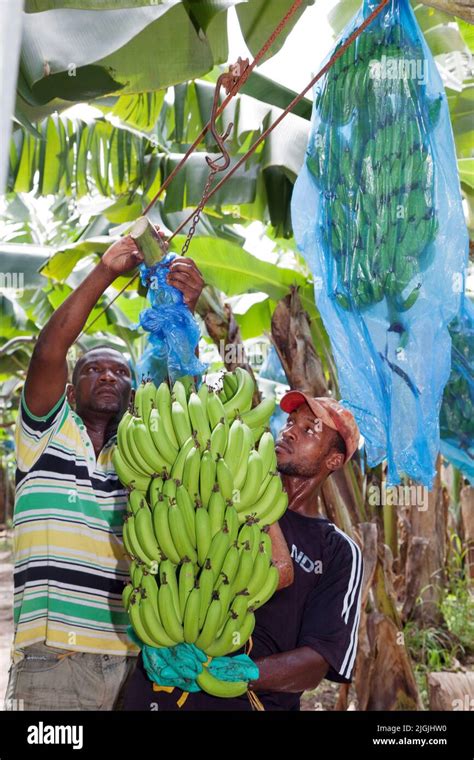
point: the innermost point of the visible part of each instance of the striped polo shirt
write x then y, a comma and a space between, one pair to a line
69, 558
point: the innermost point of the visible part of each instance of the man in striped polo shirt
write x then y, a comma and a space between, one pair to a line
71, 650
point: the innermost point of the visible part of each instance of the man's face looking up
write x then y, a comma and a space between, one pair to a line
306, 446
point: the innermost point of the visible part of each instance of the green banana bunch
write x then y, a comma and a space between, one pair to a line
378, 215
200, 468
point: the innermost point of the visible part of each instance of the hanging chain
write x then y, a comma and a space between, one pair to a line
198, 211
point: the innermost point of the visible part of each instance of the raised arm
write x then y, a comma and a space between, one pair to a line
47, 373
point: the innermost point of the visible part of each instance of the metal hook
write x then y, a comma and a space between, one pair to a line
220, 139
229, 79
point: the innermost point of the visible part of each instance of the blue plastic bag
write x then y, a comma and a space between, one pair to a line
377, 215
457, 409
174, 332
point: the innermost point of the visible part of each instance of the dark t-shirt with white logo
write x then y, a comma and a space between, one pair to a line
320, 610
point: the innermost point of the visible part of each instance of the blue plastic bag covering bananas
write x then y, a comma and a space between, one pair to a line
377, 214
457, 409
174, 332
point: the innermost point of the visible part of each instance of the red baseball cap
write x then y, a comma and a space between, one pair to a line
330, 412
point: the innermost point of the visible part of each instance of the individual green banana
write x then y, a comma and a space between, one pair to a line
169, 618
244, 632
179, 533
128, 476
216, 509
203, 533
218, 688
177, 470
244, 572
207, 476
242, 400
181, 422
130, 540
260, 414
266, 591
250, 532
136, 572
191, 615
145, 534
139, 437
211, 623
218, 440
230, 565
266, 449
185, 584
167, 572
272, 491
203, 393
152, 624
136, 621
218, 549
231, 518
126, 595
187, 508
215, 410
253, 480
243, 461
234, 635
239, 606
191, 471
147, 400
206, 585
162, 529
260, 570
179, 393
138, 400
224, 478
230, 384
226, 595
163, 404
275, 511
156, 488
199, 420
234, 446
162, 442
170, 487
136, 500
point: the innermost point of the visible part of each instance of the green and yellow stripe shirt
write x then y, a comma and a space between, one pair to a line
69, 559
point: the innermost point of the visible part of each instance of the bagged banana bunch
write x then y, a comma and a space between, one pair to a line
377, 214
457, 409
201, 469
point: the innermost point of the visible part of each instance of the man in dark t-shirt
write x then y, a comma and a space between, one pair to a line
308, 630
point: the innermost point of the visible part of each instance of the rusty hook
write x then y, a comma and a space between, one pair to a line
220, 139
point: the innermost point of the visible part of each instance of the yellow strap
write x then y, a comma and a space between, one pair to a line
182, 698
168, 689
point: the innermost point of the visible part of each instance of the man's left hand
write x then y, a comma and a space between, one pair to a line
184, 275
